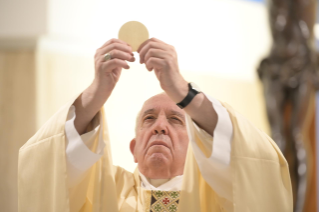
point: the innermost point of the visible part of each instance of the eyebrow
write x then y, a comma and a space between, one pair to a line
174, 112
148, 111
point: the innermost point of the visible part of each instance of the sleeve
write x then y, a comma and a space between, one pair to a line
213, 155
81, 153
43, 174
243, 166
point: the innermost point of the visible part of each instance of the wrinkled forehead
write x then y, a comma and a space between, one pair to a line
161, 102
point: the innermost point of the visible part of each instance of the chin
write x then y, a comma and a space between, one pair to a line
158, 159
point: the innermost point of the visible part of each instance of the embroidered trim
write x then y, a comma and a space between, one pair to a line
164, 201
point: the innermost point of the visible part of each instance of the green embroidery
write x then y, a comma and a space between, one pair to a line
157, 207
174, 194
172, 208
158, 194
164, 201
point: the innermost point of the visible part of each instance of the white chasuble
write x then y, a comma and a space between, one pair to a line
259, 175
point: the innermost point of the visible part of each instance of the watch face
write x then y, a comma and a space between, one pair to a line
195, 87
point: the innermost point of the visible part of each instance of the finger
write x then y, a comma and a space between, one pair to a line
158, 53
151, 45
115, 54
121, 55
147, 41
157, 40
115, 63
113, 40
154, 63
118, 46
142, 45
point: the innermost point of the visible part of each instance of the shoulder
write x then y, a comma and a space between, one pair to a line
250, 142
52, 130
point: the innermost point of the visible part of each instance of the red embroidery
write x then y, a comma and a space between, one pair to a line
166, 201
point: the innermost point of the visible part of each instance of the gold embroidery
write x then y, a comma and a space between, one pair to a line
164, 201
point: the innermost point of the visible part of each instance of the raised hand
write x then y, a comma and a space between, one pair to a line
162, 58
107, 74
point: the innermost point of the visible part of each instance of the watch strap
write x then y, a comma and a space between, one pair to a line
189, 97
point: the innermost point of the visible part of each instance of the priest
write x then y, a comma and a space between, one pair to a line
194, 153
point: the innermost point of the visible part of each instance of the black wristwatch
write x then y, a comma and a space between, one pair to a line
193, 90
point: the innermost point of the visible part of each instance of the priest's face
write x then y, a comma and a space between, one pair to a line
161, 141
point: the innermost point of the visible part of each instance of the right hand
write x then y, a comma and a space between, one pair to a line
107, 73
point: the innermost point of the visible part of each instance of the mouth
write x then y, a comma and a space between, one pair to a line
159, 143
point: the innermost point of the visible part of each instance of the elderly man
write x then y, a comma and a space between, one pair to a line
193, 153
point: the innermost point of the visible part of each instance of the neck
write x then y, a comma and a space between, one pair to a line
154, 182
157, 182
159, 173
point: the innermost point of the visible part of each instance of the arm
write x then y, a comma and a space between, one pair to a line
200, 109
107, 74
248, 166
162, 58
79, 156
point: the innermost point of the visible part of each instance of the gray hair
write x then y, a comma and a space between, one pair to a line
137, 121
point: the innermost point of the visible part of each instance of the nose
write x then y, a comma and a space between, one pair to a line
160, 126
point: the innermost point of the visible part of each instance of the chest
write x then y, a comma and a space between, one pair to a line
161, 201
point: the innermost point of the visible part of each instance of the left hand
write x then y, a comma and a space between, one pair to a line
162, 58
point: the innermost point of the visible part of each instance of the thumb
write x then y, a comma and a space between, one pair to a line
117, 73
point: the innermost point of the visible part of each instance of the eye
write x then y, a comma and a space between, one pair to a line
149, 118
176, 119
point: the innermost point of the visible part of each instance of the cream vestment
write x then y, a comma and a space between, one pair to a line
80, 158
258, 177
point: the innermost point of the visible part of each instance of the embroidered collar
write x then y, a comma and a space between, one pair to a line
173, 184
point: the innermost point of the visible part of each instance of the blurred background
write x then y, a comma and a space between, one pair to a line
46, 57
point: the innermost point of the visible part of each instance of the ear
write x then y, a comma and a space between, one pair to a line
132, 148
